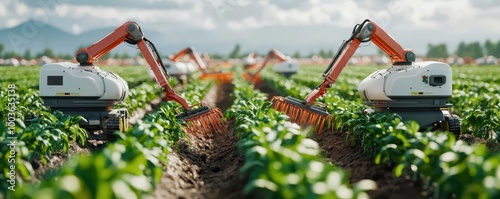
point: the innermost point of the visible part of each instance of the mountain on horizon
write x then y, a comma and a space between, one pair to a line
37, 36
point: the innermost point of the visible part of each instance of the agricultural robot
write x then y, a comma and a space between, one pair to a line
250, 61
84, 89
286, 66
179, 69
415, 90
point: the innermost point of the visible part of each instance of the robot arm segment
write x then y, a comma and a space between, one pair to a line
193, 55
364, 32
131, 33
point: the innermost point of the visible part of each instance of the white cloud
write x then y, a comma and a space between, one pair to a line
318, 17
413, 14
347, 13
187, 14
315, 2
163, 19
12, 22
447, 20
62, 10
242, 3
342, 14
76, 29
3, 10
21, 9
191, 14
246, 23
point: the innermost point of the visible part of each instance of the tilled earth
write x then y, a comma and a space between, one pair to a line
56, 160
207, 167
360, 166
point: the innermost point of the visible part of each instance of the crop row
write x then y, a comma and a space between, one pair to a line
30, 131
27, 77
46, 134
279, 160
475, 97
450, 167
128, 167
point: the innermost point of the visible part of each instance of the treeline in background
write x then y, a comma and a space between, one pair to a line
472, 53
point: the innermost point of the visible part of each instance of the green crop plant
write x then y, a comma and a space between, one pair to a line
280, 160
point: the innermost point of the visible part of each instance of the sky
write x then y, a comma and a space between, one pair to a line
414, 23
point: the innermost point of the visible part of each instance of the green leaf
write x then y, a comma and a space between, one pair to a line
398, 170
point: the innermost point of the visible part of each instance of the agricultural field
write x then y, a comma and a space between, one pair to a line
263, 155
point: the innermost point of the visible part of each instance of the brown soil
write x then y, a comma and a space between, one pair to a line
209, 167
471, 140
360, 165
266, 89
139, 114
492, 146
219, 96
224, 99
206, 167
150, 107
56, 160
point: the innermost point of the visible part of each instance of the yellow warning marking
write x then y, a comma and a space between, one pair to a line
421, 93
67, 94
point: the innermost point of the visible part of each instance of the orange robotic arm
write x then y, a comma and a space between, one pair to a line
363, 32
220, 77
250, 61
131, 33
208, 60
272, 54
252, 55
193, 55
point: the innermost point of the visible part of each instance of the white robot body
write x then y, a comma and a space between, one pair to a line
176, 69
287, 68
247, 61
423, 80
191, 67
71, 80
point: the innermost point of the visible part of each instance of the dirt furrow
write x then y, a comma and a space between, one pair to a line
206, 167
360, 165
